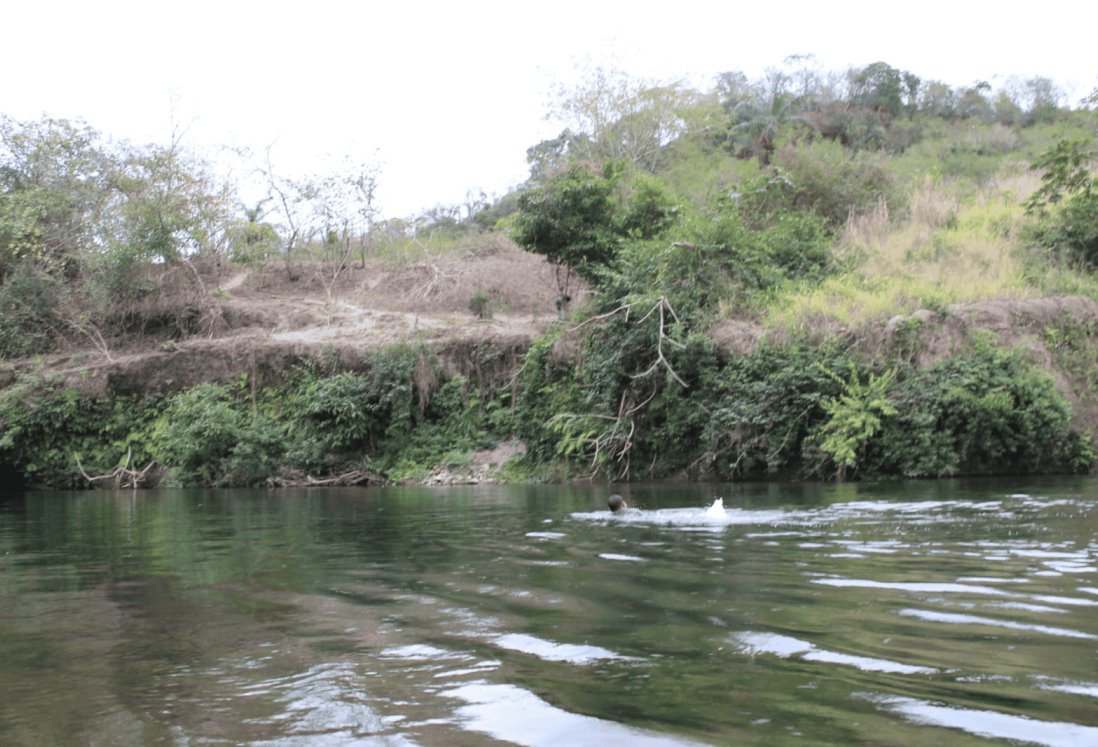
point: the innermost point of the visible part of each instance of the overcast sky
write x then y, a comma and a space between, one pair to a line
445, 97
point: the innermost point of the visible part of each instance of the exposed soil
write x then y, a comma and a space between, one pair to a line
265, 320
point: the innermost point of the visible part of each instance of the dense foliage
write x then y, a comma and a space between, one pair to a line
394, 419
1067, 202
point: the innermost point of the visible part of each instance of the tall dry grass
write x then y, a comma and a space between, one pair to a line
946, 249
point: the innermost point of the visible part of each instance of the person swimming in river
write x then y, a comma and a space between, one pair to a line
616, 503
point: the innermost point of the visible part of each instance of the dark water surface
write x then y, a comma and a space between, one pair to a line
926, 613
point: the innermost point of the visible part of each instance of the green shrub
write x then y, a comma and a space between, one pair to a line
457, 421
1066, 204
30, 321
545, 387
825, 179
340, 411
343, 418
986, 412
42, 431
258, 453
766, 404
480, 303
571, 220
853, 419
650, 211
197, 431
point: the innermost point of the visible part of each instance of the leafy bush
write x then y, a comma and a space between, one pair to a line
546, 386
985, 412
1066, 204
29, 317
41, 431
457, 421
854, 418
198, 430
480, 303
766, 405
650, 211
344, 417
339, 412
826, 180
258, 453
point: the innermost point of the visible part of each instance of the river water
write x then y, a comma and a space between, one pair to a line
923, 613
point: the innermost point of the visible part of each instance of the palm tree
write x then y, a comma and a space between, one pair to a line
756, 125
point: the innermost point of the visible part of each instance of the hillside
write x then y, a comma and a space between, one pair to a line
854, 276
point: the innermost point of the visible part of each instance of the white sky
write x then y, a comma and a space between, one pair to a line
447, 96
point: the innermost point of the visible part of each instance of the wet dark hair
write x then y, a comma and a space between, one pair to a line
616, 502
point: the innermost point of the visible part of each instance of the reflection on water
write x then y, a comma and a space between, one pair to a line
911, 613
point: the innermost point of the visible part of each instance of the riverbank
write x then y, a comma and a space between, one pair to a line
380, 375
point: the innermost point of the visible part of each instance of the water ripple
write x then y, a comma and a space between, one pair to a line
959, 619
512, 714
784, 647
990, 724
549, 651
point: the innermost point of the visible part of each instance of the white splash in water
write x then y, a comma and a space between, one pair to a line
716, 511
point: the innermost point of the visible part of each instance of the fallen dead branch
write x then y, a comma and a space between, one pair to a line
122, 476
296, 479
663, 306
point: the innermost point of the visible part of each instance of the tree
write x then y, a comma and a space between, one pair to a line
571, 221
172, 207
757, 124
805, 78
551, 156
973, 102
345, 203
611, 117
1066, 204
253, 239
293, 200
54, 190
938, 99
883, 88
1042, 98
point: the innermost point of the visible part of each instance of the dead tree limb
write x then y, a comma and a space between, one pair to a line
121, 476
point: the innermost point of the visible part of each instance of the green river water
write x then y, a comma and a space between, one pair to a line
922, 613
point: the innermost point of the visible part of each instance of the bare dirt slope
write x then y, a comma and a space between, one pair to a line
264, 320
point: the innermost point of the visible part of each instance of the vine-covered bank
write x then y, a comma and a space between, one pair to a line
624, 397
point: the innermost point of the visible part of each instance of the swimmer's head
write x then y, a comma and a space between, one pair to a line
616, 503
